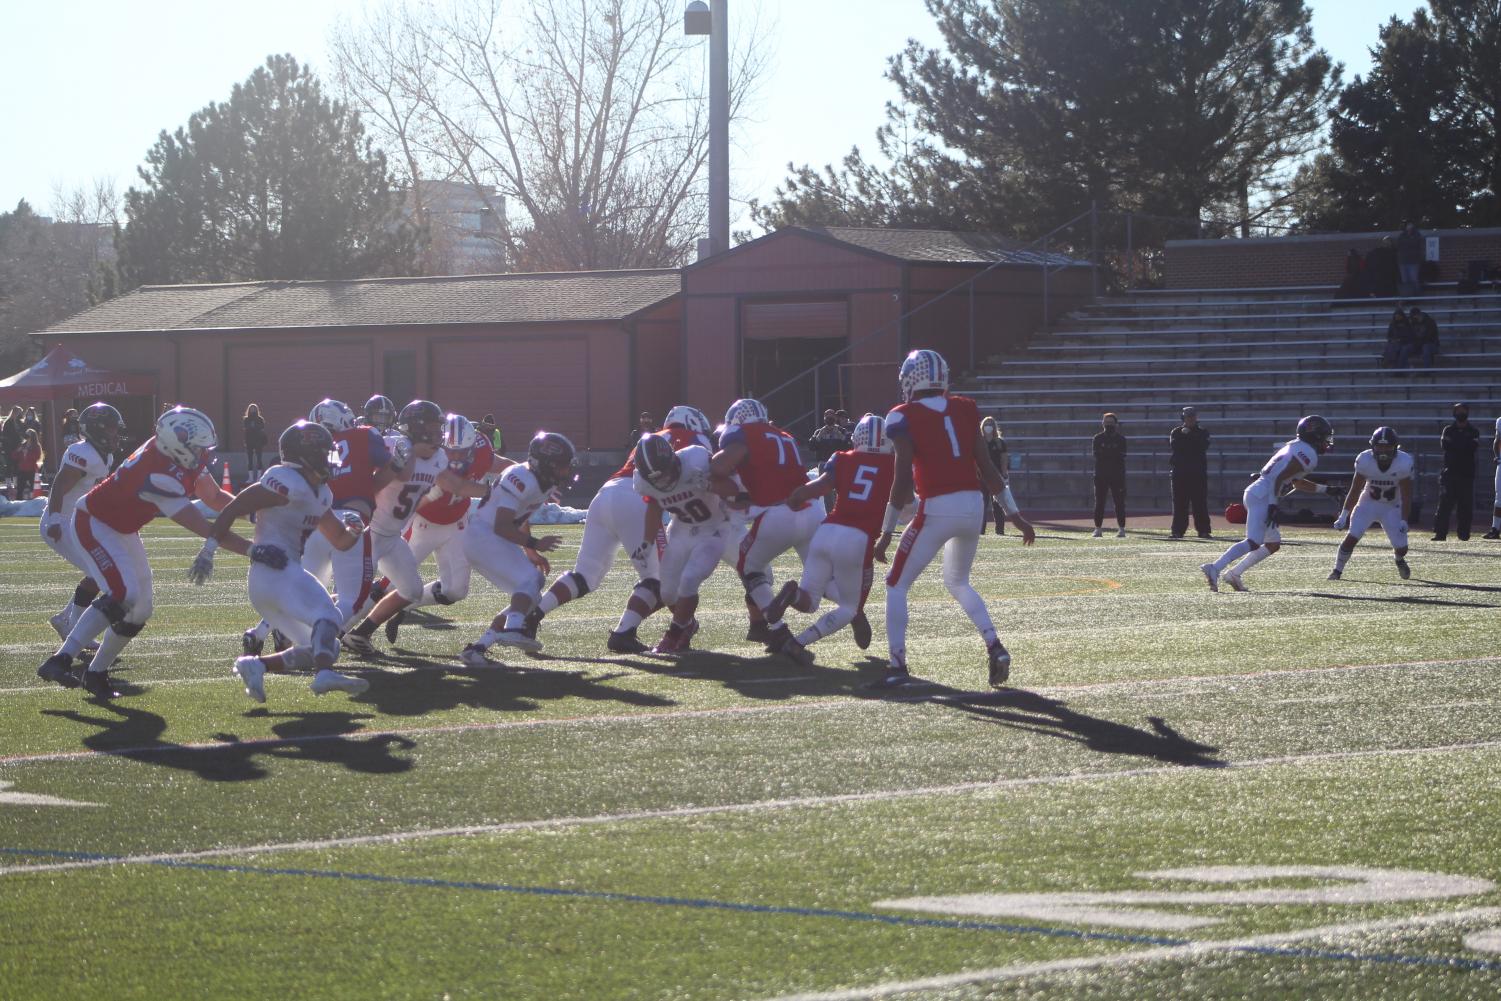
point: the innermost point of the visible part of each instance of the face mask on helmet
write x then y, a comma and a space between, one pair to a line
460, 436
101, 424
550, 457
422, 422
310, 446
332, 414
658, 463
380, 412
186, 436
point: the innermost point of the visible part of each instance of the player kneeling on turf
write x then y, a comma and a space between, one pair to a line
1381, 492
291, 501
680, 483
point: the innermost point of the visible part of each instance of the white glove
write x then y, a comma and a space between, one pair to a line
52, 526
352, 521
639, 553
203, 564
400, 453
1343, 521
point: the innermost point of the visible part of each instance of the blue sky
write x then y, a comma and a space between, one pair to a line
88, 85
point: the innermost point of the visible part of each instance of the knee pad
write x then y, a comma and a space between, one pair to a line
753, 580
649, 585
85, 592
325, 643
110, 608
127, 629
577, 583
439, 597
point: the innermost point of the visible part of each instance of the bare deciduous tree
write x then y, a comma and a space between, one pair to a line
587, 117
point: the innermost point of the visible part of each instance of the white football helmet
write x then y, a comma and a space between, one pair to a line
746, 412
186, 436
923, 369
459, 433
870, 435
689, 417
332, 414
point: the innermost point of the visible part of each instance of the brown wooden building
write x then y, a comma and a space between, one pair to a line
583, 353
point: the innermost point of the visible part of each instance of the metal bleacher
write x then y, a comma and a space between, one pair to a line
1252, 361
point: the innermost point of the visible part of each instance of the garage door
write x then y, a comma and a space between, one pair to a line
766, 321
287, 379
526, 384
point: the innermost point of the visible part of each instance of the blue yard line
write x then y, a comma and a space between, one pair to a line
1455, 962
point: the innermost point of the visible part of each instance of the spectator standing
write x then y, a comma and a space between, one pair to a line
843, 417
12, 433
1424, 335
71, 431
1188, 467
1456, 483
1110, 474
492, 433
1398, 340
830, 437
644, 426
27, 459
32, 422
1495, 532
255, 441
1000, 458
1409, 258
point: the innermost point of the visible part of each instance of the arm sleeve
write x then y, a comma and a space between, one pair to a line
165, 492
379, 453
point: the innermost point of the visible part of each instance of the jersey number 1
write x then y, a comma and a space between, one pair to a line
948, 425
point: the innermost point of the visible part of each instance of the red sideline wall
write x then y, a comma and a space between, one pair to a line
1308, 260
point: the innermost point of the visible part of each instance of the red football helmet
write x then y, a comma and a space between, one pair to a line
1235, 514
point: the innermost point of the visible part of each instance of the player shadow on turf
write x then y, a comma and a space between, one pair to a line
1039, 714
1395, 600
508, 688
764, 676
327, 737
1440, 584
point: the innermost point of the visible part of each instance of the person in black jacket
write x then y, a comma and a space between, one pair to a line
1456, 483
1424, 335
255, 441
1000, 458
1110, 474
1189, 469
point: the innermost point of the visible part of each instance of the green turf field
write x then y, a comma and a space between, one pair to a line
1285, 794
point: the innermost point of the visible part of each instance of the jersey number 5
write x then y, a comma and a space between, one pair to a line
406, 499
864, 481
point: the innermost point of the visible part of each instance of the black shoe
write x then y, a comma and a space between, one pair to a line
626, 642
777, 637
1439, 538
860, 626
895, 677
97, 684
1176, 536
1206, 535
1000, 664
1403, 570
1493, 534
58, 669
393, 625
784, 599
759, 632
533, 620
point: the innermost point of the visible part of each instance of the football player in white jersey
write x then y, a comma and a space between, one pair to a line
291, 502
423, 469
1314, 438
1495, 532
681, 483
1380, 492
615, 522
85, 463
502, 549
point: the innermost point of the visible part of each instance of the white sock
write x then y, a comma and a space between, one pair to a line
628, 620
88, 627
896, 625
1251, 560
110, 645
1232, 554
488, 639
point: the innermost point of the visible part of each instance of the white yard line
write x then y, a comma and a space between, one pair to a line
1154, 955
754, 806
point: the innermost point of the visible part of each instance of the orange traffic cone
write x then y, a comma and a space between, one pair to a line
224, 483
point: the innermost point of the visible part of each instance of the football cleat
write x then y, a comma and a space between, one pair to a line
519, 639
895, 677
1000, 664
533, 620
1493, 534
357, 644
1403, 570
626, 642
328, 680
793, 650
860, 626
252, 672
1233, 579
393, 625
474, 656
97, 684
58, 669
759, 632
1336, 574
784, 599
59, 623
251, 644
780, 634
1210, 575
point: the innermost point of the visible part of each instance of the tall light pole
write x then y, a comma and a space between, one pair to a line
713, 19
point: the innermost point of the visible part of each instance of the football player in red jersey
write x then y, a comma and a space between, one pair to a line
843, 546
614, 522
364, 469
160, 477
941, 452
765, 460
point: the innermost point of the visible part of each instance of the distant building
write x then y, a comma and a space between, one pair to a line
466, 223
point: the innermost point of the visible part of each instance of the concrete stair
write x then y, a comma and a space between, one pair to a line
1253, 362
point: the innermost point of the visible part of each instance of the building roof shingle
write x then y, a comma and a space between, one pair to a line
512, 298
942, 246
